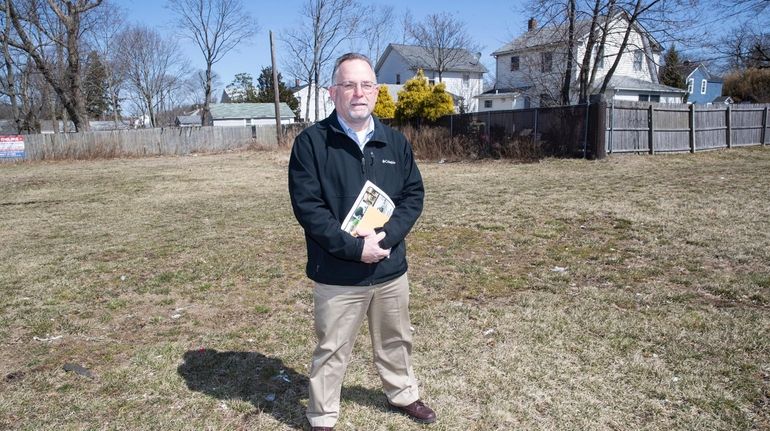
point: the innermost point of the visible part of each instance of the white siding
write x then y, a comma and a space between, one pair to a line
502, 102
325, 106
229, 123
241, 122
530, 74
394, 65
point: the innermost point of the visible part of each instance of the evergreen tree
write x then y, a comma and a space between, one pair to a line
438, 103
95, 86
242, 89
671, 72
384, 108
266, 93
420, 100
411, 97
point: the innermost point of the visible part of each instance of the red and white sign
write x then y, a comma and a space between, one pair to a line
11, 147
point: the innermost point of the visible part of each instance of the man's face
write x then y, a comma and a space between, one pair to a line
354, 92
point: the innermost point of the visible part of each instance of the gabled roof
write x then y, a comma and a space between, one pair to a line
419, 57
233, 111
634, 84
556, 35
689, 67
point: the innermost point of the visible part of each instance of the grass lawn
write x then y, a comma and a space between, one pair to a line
629, 293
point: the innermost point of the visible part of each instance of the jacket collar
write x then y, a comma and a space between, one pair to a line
332, 123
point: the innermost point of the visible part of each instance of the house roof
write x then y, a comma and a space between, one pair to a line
554, 35
232, 111
688, 67
194, 120
633, 84
419, 57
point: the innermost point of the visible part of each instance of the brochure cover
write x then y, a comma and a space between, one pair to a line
371, 209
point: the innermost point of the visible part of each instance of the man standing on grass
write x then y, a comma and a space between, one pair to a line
361, 275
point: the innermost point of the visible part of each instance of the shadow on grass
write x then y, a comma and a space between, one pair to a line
261, 380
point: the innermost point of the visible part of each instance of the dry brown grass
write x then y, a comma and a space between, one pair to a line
179, 282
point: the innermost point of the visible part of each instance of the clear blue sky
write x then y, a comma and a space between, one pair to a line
491, 23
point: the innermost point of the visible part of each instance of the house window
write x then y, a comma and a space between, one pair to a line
248, 121
690, 85
466, 78
703, 87
546, 59
487, 103
514, 63
638, 57
398, 78
649, 98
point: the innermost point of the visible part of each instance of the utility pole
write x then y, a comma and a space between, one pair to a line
276, 95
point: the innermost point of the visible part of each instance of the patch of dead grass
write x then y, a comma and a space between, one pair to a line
630, 293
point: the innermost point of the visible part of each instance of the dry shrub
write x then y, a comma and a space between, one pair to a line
436, 143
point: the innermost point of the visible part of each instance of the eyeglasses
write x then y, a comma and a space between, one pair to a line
366, 86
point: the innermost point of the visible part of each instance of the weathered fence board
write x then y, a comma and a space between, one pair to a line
145, 142
657, 127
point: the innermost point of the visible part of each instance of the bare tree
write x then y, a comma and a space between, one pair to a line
217, 27
324, 25
596, 27
443, 37
109, 22
379, 30
154, 68
9, 85
70, 14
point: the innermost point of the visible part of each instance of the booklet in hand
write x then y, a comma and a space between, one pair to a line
371, 209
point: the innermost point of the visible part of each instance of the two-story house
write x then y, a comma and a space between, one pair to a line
531, 68
702, 86
463, 75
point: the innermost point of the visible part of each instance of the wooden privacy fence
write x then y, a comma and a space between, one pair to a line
558, 131
659, 127
145, 142
596, 129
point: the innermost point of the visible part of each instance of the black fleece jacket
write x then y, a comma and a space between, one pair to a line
327, 170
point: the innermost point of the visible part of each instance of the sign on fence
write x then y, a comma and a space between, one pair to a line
11, 147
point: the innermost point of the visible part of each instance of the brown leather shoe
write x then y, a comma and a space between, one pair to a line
418, 411
322, 429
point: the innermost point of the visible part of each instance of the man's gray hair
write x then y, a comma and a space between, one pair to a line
347, 57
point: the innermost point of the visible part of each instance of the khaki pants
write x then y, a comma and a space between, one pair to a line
339, 311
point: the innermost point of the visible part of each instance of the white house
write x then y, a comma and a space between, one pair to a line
325, 104
248, 114
463, 76
530, 69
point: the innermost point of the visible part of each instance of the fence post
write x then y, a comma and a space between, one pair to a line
729, 136
764, 127
692, 127
651, 135
597, 128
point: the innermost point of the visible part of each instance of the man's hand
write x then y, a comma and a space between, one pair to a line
372, 252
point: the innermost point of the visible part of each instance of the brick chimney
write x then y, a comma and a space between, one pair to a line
532, 24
